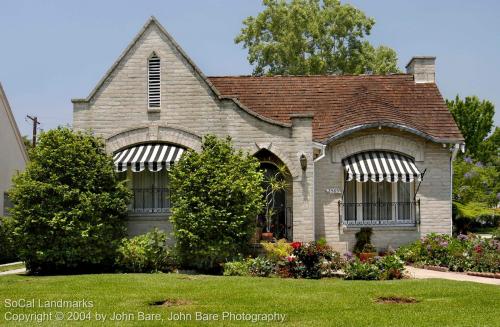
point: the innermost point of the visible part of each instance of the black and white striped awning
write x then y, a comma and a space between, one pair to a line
154, 156
378, 166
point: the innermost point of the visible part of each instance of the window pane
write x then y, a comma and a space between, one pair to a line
150, 191
404, 201
350, 200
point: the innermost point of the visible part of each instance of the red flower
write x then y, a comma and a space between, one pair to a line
478, 249
296, 245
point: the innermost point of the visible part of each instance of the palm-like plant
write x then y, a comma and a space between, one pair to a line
274, 183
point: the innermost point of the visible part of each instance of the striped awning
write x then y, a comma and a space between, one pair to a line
154, 156
378, 166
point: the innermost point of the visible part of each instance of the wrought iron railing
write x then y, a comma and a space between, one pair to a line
150, 200
380, 213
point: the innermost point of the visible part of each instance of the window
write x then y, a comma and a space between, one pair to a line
374, 202
150, 192
154, 93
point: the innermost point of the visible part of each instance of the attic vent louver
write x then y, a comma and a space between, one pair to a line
154, 81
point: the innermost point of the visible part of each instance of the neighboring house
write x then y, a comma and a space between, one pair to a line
13, 156
356, 147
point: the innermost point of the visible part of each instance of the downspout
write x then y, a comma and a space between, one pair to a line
322, 148
454, 151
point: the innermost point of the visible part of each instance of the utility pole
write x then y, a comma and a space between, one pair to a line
35, 126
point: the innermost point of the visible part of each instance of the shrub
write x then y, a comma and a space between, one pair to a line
464, 253
68, 207
391, 267
217, 196
277, 251
363, 238
8, 250
145, 253
356, 269
261, 267
236, 268
309, 260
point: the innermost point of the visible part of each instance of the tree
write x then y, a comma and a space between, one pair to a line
217, 196
489, 150
68, 207
305, 37
474, 119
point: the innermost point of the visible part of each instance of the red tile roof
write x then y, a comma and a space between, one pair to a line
345, 101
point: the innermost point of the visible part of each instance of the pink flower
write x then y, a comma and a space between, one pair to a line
291, 258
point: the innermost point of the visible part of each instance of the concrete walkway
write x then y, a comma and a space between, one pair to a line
425, 273
14, 271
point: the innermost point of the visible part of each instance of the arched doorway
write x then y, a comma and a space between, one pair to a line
281, 220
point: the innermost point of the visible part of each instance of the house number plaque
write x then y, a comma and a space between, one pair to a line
334, 190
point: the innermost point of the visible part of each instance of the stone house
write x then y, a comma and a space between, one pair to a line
14, 156
361, 150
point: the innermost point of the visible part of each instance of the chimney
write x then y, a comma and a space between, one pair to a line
423, 69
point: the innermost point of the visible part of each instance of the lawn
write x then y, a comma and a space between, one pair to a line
327, 302
12, 267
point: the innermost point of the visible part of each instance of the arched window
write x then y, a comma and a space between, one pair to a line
154, 89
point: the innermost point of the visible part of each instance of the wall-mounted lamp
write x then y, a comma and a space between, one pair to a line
303, 162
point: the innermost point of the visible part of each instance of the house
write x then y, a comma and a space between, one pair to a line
14, 156
363, 150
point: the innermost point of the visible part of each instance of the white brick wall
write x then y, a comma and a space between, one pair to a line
189, 109
434, 193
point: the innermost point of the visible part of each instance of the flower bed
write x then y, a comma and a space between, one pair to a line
314, 260
463, 253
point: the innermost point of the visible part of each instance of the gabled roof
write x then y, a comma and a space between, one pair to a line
13, 124
346, 103
153, 21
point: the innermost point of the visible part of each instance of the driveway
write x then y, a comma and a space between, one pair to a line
425, 273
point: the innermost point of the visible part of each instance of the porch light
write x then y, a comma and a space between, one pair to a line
303, 162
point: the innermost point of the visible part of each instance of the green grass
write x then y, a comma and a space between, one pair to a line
327, 302
11, 267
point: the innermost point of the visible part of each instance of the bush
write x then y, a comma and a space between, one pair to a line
277, 251
236, 268
356, 269
68, 207
464, 253
363, 239
378, 268
260, 267
217, 196
8, 250
309, 260
145, 254
391, 267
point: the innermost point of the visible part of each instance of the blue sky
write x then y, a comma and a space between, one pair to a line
52, 51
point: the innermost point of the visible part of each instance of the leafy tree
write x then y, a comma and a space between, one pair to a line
305, 37
476, 192
489, 150
217, 196
474, 119
68, 205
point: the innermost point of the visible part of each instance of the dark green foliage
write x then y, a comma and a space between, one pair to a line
8, 250
306, 37
145, 254
363, 239
217, 197
68, 206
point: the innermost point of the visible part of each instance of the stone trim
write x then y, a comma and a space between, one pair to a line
156, 133
295, 171
385, 142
